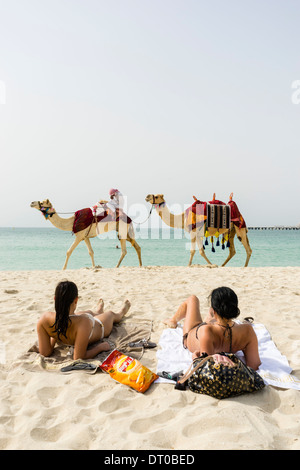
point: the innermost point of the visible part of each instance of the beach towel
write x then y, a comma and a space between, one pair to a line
274, 368
122, 334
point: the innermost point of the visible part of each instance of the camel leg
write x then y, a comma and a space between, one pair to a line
90, 249
192, 251
136, 247
71, 249
244, 239
124, 251
231, 248
201, 249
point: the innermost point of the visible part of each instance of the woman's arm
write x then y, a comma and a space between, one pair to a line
46, 343
96, 349
251, 350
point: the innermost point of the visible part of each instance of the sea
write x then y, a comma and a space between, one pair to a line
45, 249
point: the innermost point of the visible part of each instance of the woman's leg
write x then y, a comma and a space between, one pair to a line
189, 311
109, 318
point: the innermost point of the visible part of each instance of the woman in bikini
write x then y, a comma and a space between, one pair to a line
218, 332
76, 329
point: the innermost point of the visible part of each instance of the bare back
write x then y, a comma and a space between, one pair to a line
76, 321
212, 339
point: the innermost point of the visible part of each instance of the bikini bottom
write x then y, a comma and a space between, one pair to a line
93, 320
184, 338
99, 321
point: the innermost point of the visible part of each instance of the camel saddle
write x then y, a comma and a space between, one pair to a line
214, 214
85, 217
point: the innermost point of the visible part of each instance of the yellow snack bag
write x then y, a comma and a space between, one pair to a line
128, 371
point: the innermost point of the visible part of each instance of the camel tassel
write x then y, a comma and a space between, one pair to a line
223, 243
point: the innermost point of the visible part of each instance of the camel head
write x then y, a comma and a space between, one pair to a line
155, 199
45, 207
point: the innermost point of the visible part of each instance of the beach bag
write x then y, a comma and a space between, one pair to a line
210, 377
128, 371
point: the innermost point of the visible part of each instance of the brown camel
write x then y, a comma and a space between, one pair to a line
124, 230
180, 221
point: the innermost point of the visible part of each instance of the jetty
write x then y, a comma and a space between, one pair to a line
275, 228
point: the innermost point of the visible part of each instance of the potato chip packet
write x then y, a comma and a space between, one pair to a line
128, 371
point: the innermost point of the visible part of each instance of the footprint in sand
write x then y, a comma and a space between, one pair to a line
48, 433
32, 306
152, 423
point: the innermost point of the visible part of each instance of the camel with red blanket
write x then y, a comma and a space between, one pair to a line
85, 225
207, 219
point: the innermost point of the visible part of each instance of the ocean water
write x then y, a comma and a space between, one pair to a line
45, 249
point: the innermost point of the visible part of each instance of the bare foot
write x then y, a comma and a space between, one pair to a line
100, 307
125, 308
105, 346
170, 323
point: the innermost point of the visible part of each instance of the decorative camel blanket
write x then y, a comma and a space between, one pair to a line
85, 217
214, 214
236, 216
196, 215
218, 216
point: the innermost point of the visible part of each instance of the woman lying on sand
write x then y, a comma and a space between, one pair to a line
76, 329
218, 333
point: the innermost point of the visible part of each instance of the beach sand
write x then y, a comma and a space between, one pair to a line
50, 410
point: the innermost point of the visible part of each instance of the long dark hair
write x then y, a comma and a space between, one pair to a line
65, 294
224, 301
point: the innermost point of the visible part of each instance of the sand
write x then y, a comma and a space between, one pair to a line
50, 410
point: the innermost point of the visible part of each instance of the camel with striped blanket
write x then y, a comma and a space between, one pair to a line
236, 227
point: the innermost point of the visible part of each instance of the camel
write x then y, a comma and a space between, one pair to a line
124, 230
180, 221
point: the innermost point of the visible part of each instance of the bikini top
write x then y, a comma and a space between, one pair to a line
228, 332
92, 320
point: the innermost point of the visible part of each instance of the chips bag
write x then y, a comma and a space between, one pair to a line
128, 371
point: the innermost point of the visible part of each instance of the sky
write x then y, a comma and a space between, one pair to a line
177, 97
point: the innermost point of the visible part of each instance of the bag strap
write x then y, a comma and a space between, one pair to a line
192, 369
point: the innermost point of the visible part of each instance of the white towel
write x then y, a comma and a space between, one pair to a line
274, 368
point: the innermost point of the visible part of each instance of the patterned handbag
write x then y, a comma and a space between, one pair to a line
219, 380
